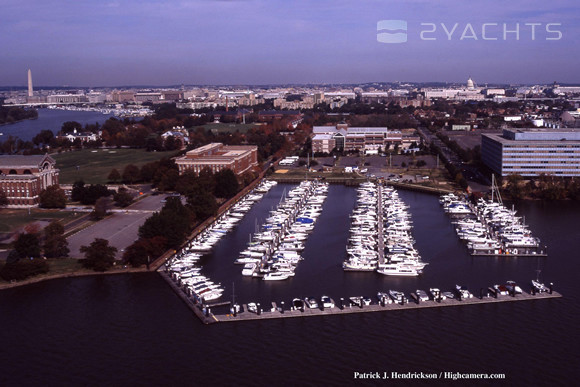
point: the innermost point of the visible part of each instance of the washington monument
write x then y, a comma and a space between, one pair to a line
30, 92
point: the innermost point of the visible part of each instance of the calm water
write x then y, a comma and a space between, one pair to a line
133, 330
50, 119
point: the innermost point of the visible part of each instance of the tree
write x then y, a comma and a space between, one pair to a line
22, 269
226, 184
3, 198
144, 251
131, 173
78, 191
27, 245
99, 256
52, 197
203, 204
114, 176
101, 208
44, 137
172, 223
123, 198
55, 244
71, 127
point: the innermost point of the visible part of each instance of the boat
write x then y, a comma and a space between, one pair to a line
399, 270
539, 287
297, 304
252, 307
422, 295
311, 302
276, 276
384, 298
398, 297
463, 292
249, 269
512, 287
326, 302
357, 301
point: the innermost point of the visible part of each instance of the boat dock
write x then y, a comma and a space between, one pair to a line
381, 225
209, 313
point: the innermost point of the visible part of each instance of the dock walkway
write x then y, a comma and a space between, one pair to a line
207, 316
248, 316
381, 226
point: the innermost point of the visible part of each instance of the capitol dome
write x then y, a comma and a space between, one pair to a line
470, 83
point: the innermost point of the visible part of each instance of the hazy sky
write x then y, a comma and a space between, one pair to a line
156, 42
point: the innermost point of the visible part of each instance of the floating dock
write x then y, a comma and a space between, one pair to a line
207, 316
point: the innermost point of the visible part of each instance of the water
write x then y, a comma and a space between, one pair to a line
50, 119
133, 330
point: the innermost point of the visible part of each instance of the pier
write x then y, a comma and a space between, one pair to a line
208, 314
381, 226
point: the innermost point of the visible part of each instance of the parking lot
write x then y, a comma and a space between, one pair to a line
120, 229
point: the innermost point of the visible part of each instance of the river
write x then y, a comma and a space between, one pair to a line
50, 119
133, 330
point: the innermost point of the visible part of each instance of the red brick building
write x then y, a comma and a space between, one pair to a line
23, 177
217, 156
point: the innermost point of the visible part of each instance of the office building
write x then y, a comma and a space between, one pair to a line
532, 152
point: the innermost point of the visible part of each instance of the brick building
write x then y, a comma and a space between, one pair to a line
217, 156
23, 177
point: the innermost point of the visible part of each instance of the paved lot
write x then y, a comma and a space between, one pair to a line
121, 229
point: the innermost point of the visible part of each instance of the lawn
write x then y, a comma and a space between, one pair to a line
94, 165
228, 128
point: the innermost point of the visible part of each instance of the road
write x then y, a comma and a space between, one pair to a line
120, 229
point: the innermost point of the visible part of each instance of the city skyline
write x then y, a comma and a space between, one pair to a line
258, 42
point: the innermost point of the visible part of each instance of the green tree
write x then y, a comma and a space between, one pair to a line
52, 197
55, 244
44, 137
27, 245
70, 127
102, 206
145, 251
20, 270
78, 191
99, 256
203, 204
123, 198
131, 173
172, 223
114, 176
226, 184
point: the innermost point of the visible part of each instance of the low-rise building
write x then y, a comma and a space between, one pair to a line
217, 156
23, 177
358, 138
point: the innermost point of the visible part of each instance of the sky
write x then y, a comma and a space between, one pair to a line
217, 42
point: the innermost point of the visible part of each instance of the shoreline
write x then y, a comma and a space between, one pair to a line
33, 280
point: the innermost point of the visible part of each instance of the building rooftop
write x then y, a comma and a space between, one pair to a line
541, 135
23, 161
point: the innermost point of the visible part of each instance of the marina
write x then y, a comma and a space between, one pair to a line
227, 308
490, 229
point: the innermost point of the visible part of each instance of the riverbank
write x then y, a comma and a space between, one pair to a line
68, 268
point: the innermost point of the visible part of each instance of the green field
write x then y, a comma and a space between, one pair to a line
228, 128
94, 165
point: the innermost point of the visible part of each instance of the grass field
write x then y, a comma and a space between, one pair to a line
94, 165
228, 128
